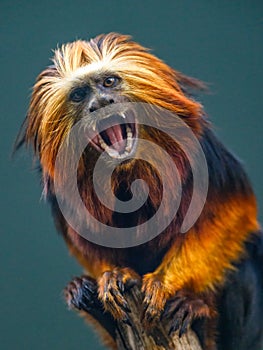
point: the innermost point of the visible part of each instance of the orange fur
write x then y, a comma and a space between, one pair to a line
207, 252
197, 261
146, 79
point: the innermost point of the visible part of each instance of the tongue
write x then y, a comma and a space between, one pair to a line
114, 134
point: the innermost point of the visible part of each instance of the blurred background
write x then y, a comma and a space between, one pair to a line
219, 42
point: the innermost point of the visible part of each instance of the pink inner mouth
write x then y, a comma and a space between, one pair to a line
116, 137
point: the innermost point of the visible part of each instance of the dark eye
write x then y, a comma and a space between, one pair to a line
78, 94
110, 82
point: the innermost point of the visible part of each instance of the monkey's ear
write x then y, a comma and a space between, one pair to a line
28, 131
189, 84
21, 137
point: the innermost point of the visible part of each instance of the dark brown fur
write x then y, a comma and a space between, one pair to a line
202, 263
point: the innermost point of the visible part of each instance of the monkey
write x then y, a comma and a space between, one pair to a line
211, 276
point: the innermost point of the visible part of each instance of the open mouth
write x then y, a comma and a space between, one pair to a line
117, 136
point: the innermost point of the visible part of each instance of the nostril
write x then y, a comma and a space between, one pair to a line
93, 106
99, 103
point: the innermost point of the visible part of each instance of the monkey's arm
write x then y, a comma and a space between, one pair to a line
99, 266
111, 281
81, 294
200, 262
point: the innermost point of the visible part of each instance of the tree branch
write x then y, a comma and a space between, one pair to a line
81, 294
133, 337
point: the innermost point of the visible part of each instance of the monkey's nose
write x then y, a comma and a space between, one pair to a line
98, 103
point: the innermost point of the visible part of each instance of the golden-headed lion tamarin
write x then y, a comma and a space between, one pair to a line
212, 271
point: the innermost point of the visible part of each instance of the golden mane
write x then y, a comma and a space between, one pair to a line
145, 79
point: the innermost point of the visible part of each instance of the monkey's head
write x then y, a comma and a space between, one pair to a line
89, 75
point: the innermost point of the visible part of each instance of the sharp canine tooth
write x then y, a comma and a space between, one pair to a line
128, 147
123, 115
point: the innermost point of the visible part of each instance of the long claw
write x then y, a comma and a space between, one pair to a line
112, 287
183, 309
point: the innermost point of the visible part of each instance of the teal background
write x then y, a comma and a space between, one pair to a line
219, 42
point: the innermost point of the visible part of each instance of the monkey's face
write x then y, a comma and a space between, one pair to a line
116, 133
88, 76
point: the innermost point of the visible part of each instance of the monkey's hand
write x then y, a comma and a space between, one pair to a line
155, 298
81, 293
182, 308
111, 288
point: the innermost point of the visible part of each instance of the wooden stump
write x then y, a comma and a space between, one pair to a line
135, 338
